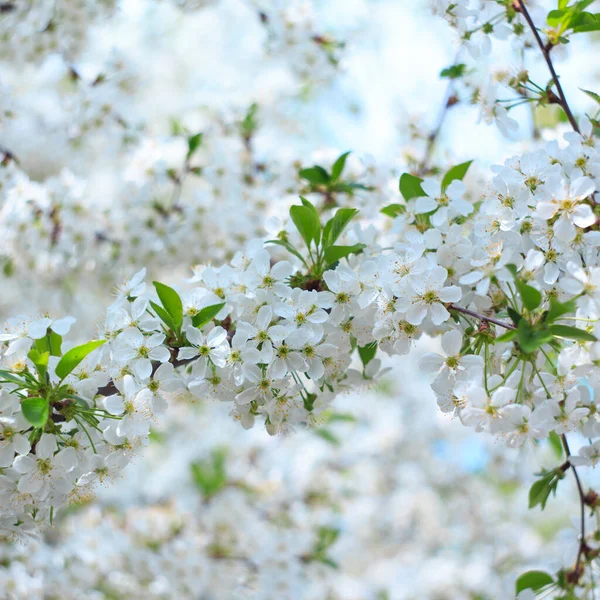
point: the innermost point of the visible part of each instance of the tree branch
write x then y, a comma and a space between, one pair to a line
520, 6
582, 502
449, 101
481, 317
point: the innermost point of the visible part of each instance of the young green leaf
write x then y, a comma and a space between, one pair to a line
316, 217
507, 337
315, 175
457, 172
540, 491
164, 316
335, 253
592, 95
210, 475
12, 378
454, 72
307, 223
393, 210
410, 186
338, 166
171, 302
336, 225
588, 27
367, 353
558, 309
572, 333
514, 315
194, 143
555, 443
36, 411
327, 435
533, 580
206, 314
74, 356
555, 17
530, 297
530, 339
51, 343
40, 360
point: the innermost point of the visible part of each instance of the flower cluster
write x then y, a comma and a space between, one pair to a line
277, 338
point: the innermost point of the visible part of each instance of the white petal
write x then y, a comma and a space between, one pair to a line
431, 362
452, 342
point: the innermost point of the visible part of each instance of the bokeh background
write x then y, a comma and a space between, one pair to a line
388, 498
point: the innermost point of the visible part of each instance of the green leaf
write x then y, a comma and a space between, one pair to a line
530, 297
194, 143
514, 315
558, 309
12, 378
74, 356
338, 166
457, 172
555, 17
589, 23
209, 475
36, 411
335, 253
393, 210
336, 225
207, 314
454, 72
306, 223
555, 443
410, 186
540, 491
592, 95
51, 343
40, 360
250, 122
317, 219
327, 436
171, 302
508, 336
289, 248
533, 580
531, 339
163, 315
572, 333
315, 175
367, 353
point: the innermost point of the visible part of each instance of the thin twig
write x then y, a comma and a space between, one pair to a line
481, 317
582, 545
546, 53
449, 101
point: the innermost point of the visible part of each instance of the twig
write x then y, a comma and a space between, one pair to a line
449, 100
520, 6
481, 317
582, 544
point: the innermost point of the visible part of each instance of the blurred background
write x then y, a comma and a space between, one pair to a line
388, 498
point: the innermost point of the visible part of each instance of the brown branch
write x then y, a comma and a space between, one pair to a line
520, 7
481, 317
582, 501
449, 101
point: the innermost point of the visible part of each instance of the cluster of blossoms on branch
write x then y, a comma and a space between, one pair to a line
275, 331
